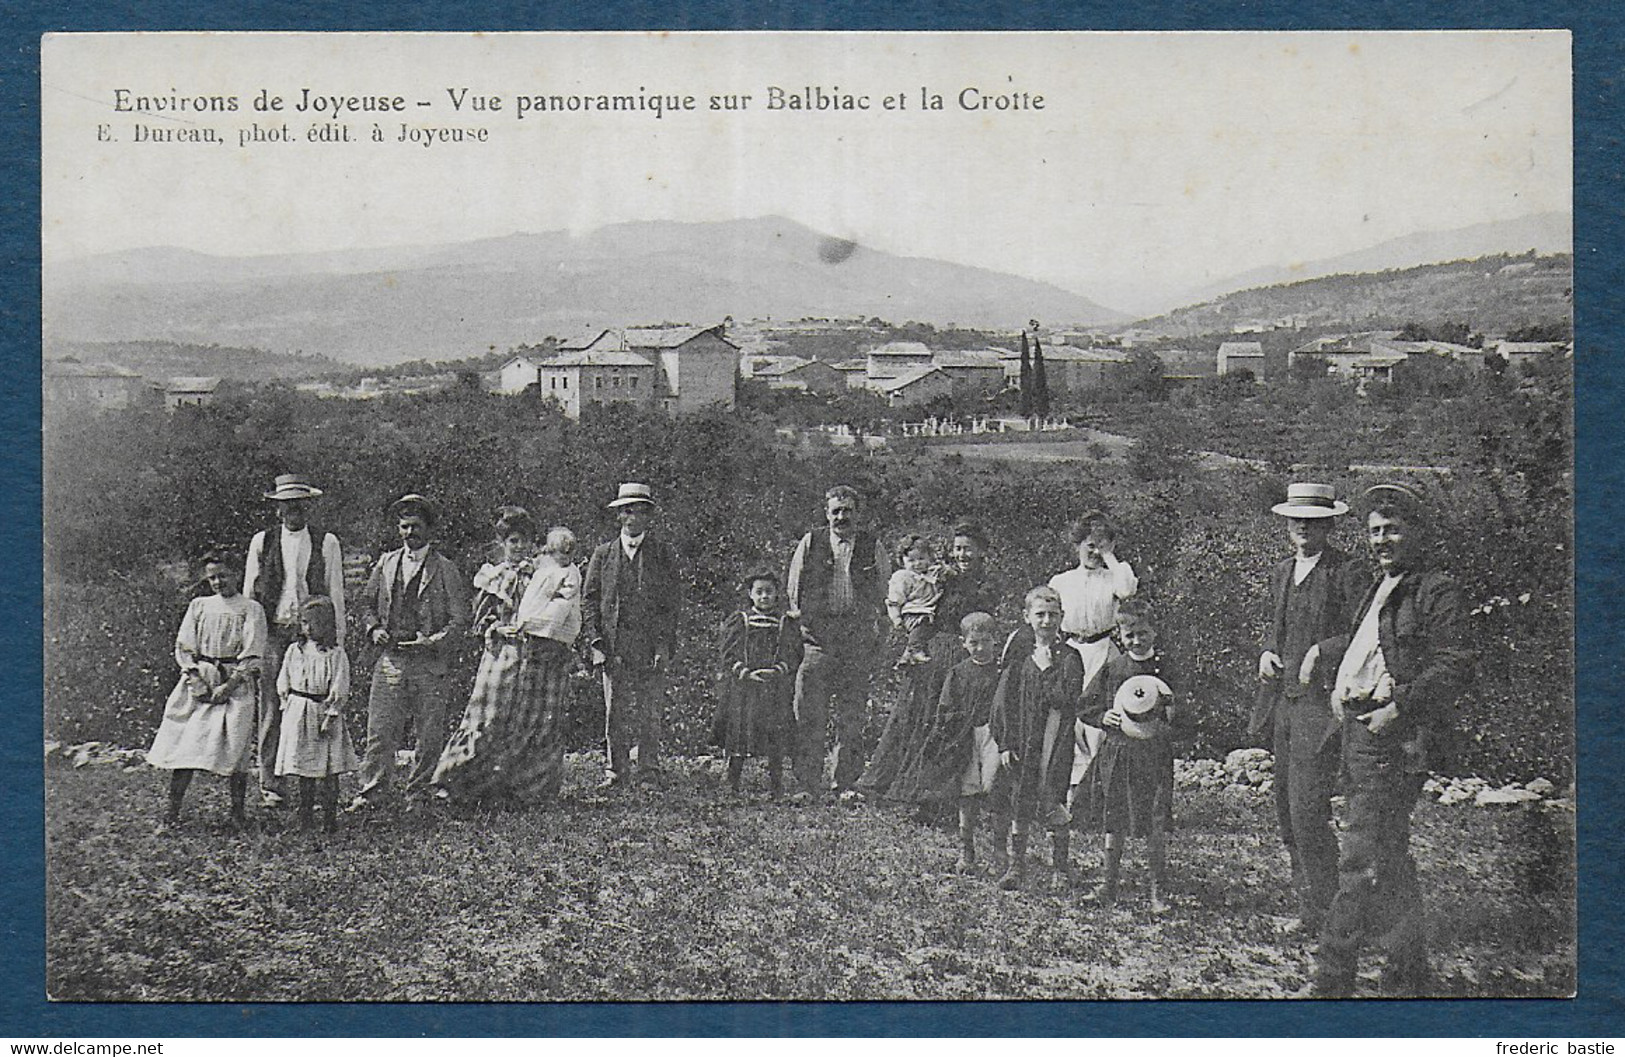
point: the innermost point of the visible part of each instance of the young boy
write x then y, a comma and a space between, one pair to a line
955, 740
912, 595
1131, 786
1033, 711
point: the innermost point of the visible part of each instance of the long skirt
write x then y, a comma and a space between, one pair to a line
909, 722
195, 735
509, 745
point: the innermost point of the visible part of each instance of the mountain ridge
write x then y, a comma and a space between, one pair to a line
386, 305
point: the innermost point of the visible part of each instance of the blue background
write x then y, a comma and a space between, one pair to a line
1599, 64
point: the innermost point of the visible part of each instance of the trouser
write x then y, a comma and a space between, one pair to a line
1306, 764
634, 697
1378, 899
404, 687
270, 710
835, 672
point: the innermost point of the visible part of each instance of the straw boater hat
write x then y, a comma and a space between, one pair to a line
1311, 501
632, 494
1137, 698
292, 486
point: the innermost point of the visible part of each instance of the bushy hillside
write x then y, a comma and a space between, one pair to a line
157, 360
1496, 294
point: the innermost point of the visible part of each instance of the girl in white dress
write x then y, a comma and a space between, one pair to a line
208, 722
313, 685
1089, 596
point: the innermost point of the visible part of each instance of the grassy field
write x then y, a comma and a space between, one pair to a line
689, 892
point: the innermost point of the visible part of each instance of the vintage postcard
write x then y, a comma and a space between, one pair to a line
808, 516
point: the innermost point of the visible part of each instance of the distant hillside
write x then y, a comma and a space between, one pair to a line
1490, 294
381, 306
158, 360
1544, 233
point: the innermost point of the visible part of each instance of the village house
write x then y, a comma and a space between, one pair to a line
190, 392
575, 379
70, 384
1522, 353
1188, 365
915, 387
855, 371
677, 369
975, 373
699, 368
894, 358
1236, 356
1340, 353
1067, 368
795, 374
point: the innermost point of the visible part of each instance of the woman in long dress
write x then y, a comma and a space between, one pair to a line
208, 723
897, 770
509, 748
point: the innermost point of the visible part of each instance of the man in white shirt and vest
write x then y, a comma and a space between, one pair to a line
1400, 669
286, 566
837, 586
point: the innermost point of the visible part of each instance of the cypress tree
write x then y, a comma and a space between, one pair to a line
1040, 379
1026, 378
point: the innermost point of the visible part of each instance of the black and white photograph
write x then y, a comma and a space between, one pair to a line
792, 516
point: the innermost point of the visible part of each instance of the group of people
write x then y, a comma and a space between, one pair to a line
1068, 721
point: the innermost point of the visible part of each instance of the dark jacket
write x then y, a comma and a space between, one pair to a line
1335, 584
601, 595
442, 602
1422, 630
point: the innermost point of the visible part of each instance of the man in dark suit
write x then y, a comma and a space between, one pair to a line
412, 609
1311, 591
1401, 668
629, 603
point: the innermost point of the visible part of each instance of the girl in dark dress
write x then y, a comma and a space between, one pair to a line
760, 652
1130, 789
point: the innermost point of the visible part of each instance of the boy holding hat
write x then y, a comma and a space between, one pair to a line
287, 566
1400, 666
1310, 592
629, 603
413, 603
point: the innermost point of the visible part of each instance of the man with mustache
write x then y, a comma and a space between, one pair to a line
1400, 669
837, 584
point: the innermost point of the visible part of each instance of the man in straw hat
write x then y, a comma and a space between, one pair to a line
1400, 667
286, 566
1310, 594
412, 609
629, 603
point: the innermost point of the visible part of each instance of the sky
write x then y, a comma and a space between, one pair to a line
1156, 163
